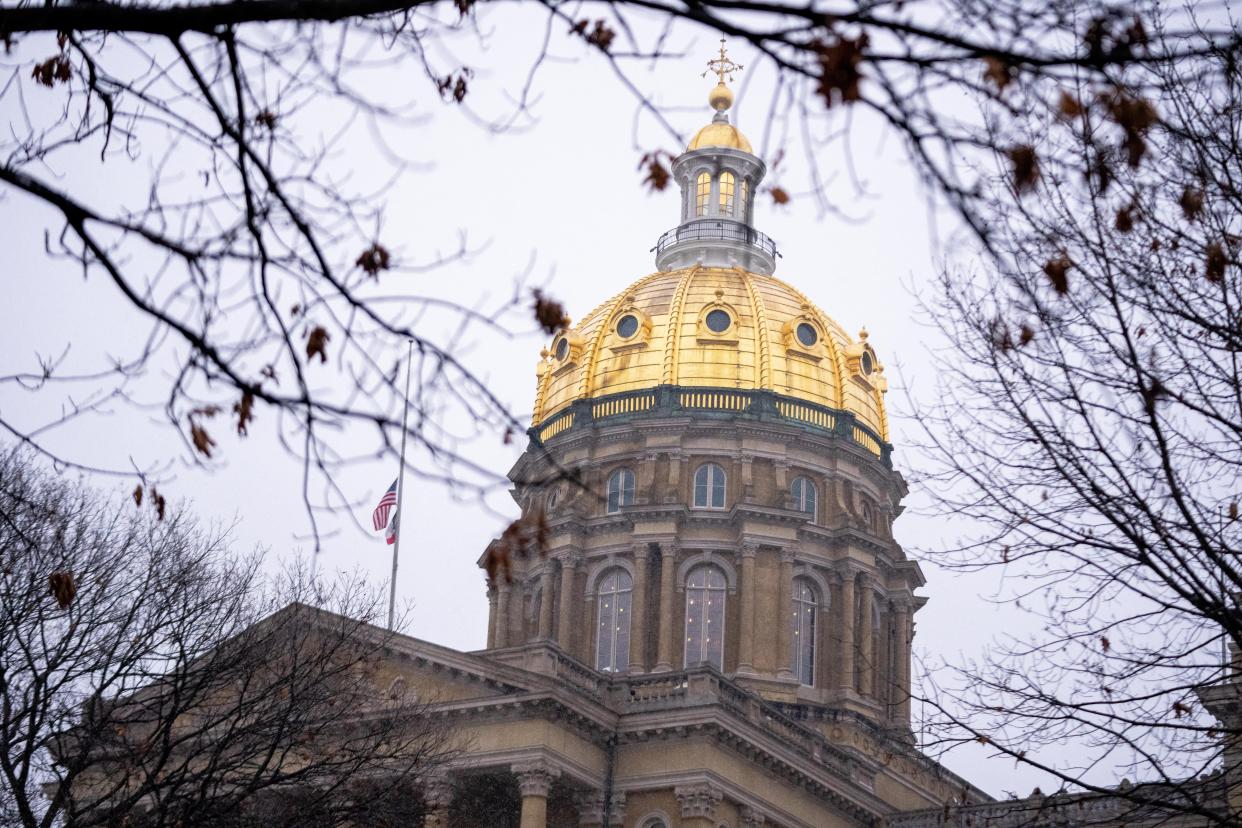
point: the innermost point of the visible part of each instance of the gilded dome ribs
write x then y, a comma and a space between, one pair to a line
673, 332
763, 336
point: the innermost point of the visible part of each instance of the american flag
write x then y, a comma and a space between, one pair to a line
379, 518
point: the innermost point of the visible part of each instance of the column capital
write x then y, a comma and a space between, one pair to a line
535, 778
590, 805
642, 550
616, 810
788, 554
438, 791
750, 548
698, 800
568, 560
751, 817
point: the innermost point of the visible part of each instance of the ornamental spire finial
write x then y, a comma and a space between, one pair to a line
723, 67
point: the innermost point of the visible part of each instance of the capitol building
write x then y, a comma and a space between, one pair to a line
717, 630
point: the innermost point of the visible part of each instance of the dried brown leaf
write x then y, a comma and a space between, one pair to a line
374, 259
779, 196
1057, 271
201, 439
244, 409
1191, 203
997, 71
317, 344
1214, 267
62, 587
840, 73
138, 495
55, 68
1025, 168
658, 176
549, 313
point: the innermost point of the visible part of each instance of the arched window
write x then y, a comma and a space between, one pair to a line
654, 822
702, 193
744, 206
802, 642
726, 193
705, 616
804, 496
709, 487
620, 490
612, 634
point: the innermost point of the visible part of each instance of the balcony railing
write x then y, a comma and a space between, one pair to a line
714, 403
716, 230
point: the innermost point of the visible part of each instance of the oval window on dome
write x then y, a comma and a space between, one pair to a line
718, 321
807, 334
868, 365
562, 348
627, 326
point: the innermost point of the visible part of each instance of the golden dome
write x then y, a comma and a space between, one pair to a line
713, 327
720, 134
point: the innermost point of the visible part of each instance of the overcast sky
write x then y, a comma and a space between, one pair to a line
561, 201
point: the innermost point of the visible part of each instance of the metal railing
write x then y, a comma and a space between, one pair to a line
673, 400
717, 230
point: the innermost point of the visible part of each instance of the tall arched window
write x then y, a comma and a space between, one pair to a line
702, 193
709, 487
705, 616
726, 193
612, 634
804, 496
802, 642
620, 490
744, 205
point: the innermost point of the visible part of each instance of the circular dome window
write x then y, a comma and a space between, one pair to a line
867, 364
807, 334
627, 326
562, 348
718, 321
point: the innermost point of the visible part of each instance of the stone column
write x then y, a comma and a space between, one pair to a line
534, 781
438, 794
866, 652
502, 613
668, 573
638, 611
901, 623
644, 482
746, 640
784, 615
846, 626
698, 804
545, 601
492, 592
565, 627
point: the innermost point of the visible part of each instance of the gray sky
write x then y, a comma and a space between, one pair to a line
560, 199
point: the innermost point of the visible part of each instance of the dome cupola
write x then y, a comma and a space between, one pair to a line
719, 176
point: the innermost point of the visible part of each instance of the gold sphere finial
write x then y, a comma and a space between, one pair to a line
721, 97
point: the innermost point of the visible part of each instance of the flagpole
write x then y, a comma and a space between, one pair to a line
396, 546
